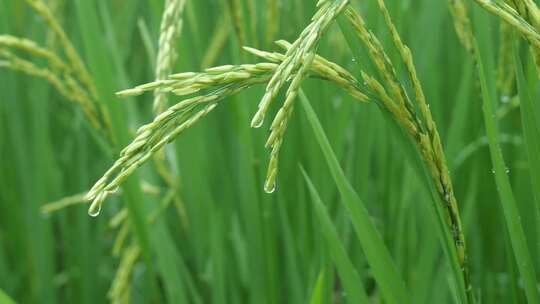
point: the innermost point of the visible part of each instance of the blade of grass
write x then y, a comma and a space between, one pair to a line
507, 200
152, 241
5, 299
317, 295
96, 54
455, 139
529, 122
349, 276
380, 260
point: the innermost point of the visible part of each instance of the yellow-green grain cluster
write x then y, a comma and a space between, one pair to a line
419, 124
462, 23
299, 56
298, 60
68, 75
218, 83
521, 15
171, 26
120, 290
512, 17
150, 139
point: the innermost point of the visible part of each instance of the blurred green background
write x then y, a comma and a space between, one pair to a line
218, 237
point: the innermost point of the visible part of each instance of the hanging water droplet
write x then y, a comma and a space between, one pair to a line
270, 186
257, 121
507, 170
94, 209
447, 197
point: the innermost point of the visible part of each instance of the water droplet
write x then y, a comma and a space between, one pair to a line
505, 99
94, 209
353, 59
269, 186
257, 121
507, 170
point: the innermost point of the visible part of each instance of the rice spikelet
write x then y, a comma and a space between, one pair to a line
420, 126
462, 23
302, 48
43, 10
221, 82
171, 26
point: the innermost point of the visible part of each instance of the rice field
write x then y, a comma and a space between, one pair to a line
269, 151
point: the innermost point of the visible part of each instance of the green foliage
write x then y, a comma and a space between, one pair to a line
192, 223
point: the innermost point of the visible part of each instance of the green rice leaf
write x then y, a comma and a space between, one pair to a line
349, 276
506, 196
529, 121
378, 256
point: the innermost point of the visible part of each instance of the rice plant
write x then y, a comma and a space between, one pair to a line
400, 162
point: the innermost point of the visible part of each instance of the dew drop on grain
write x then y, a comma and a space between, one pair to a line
270, 187
257, 122
94, 210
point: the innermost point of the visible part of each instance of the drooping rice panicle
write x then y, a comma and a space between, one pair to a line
528, 10
56, 65
80, 69
189, 83
69, 77
221, 81
15, 63
168, 125
521, 15
31, 48
421, 126
303, 48
150, 138
383, 65
512, 17
57, 8
462, 23
440, 172
299, 58
171, 27
66, 87
120, 289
